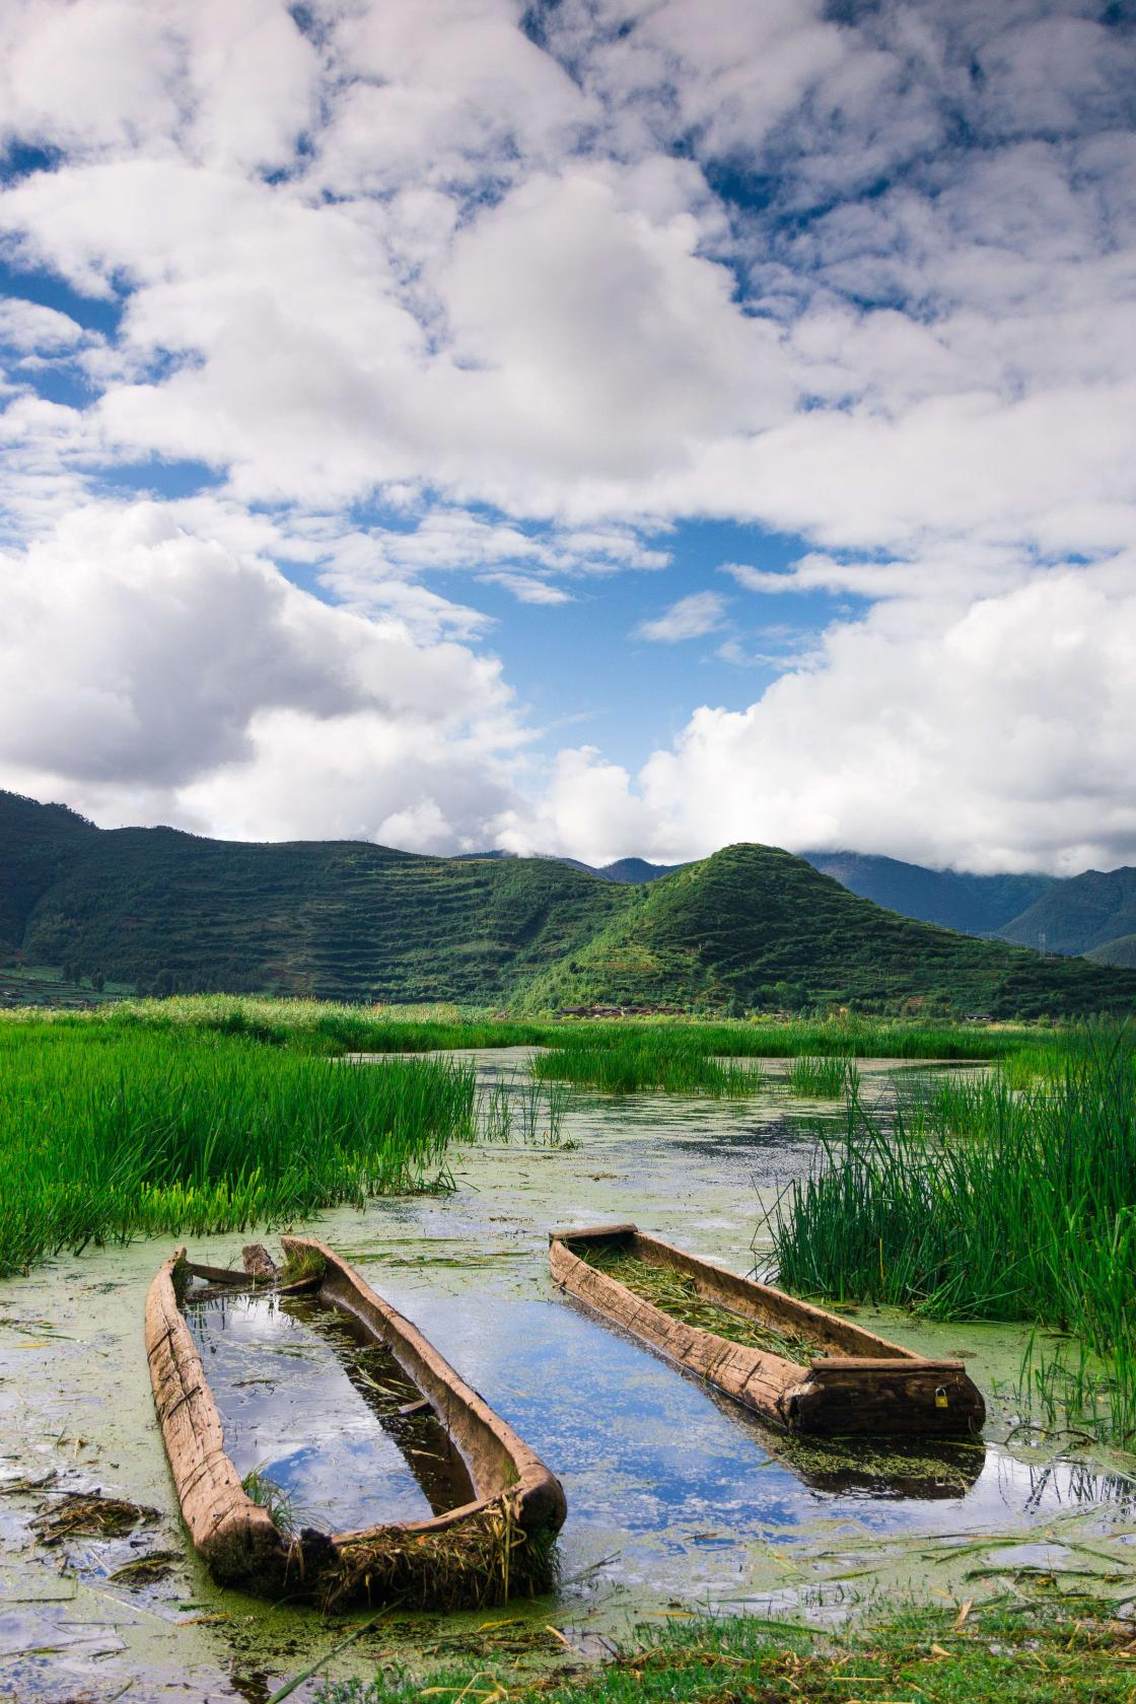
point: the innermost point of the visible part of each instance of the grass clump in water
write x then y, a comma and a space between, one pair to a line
518, 1106
676, 1062
822, 1078
478, 1562
108, 1134
677, 1295
1035, 1219
278, 1503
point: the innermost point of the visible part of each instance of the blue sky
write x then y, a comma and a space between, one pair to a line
606, 427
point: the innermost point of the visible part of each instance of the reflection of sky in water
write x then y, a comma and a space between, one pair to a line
678, 1483
652, 1464
684, 1486
289, 1409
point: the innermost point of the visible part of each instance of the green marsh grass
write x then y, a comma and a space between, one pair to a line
653, 1060
987, 1203
822, 1078
329, 1027
266, 1494
1019, 1647
106, 1134
516, 1107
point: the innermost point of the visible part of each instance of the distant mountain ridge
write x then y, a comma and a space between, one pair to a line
1091, 913
751, 927
955, 899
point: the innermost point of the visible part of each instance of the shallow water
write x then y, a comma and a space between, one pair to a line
676, 1497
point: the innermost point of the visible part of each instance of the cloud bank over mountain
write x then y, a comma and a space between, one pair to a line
326, 324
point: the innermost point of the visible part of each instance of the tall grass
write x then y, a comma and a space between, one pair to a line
328, 1027
1031, 1217
106, 1134
822, 1078
673, 1062
514, 1106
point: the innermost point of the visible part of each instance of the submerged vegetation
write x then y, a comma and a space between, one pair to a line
978, 1201
107, 1133
677, 1295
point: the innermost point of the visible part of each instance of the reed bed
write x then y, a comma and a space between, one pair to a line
107, 1134
1031, 1215
336, 1027
515, 1107
820, 1078
675, 1064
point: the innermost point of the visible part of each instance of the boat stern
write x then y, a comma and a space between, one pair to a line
849, 1394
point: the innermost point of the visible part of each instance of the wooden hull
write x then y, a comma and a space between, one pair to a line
862, 1384
480, 1553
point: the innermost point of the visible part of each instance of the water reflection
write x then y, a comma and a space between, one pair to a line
310, 1403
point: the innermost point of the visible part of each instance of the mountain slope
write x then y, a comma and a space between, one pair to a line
1083, 912
348, 920
753, 925
342, 919
1121, 953
38, 843
635, 870
975, 905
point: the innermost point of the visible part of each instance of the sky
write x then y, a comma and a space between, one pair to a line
599, 427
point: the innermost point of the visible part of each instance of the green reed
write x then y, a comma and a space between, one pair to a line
674, 1062
515, 1107
1030, 1217
819, 1078
320, 1026
106, 1134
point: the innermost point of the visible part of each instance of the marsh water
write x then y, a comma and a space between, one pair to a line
678, 1500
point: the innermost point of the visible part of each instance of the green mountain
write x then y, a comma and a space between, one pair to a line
635, 870
750, 926
955, 899
341, 919
38, 843
1121, 953
753, 925
1078, 915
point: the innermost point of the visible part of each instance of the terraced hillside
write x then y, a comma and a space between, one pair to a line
341, 919
755, 926
749, 927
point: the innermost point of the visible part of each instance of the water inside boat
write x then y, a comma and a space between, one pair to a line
322, 1415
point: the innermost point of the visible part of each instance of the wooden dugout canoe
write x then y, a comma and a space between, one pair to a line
859, 1383
492, 1546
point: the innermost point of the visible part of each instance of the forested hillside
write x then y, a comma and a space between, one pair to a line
750, 927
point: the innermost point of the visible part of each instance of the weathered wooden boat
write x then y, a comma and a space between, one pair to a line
845, 1381
494, 1545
